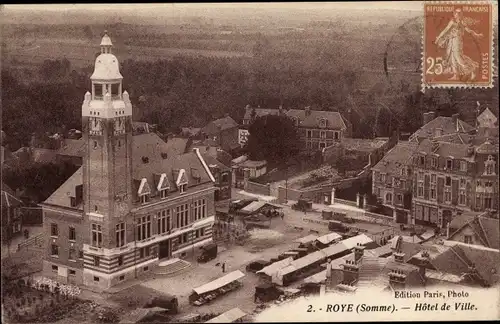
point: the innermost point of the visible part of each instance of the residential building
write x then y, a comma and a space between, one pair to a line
222, 132
11, 213
450, 179
318, 129
130, 204
392, 179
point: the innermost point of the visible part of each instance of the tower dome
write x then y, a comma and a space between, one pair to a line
106, 67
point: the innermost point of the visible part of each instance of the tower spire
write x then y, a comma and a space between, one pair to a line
106, 43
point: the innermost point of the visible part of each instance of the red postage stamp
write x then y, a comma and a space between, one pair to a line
457, 44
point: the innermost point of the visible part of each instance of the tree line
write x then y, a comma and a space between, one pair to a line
191, 91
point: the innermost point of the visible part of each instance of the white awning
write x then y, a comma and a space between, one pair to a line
220, 282
328, 238
273, 267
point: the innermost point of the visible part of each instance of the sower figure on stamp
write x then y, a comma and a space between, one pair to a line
452, 38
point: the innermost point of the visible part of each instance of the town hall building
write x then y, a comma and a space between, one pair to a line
130, 204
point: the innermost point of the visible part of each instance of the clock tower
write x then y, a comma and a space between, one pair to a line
107, 163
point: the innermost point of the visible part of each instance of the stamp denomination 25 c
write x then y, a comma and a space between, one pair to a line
457, 44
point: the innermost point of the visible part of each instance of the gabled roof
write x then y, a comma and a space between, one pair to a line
487, 118
486, 228
144, 187
459, 258
181, 178
218, 125
9, 198
61, 197
447, 124
397, 157
307, 119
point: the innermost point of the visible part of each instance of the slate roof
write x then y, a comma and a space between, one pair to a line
72, 147
447, 124
362, 144
311, 120
146, 147
397, 157
457, 151
459, 258
218, 125
486, 228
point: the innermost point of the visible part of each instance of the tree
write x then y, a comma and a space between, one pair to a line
273, 138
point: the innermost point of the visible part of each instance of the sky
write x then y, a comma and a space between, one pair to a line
358, 5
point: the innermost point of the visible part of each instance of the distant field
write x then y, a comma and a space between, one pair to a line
81, 53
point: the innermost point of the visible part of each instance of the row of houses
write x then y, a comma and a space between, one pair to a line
445, 169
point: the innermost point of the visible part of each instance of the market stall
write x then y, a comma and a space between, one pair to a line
216, 288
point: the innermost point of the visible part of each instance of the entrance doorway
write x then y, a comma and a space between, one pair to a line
164, 249
447, 215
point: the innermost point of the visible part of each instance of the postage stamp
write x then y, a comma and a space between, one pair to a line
457, 44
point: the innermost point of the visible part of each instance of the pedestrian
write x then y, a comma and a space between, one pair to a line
223, 267
282, 216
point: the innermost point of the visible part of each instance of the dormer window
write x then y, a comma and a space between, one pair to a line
182, 181
144, 198
322, 122
163, 193
144, 191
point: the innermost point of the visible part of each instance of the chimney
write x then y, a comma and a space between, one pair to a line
350, 272
438, 132
358, 252
423, 263
399, 257
308, 110
397, 279
470, 150
428, 116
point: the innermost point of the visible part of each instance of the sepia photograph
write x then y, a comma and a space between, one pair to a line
249, 162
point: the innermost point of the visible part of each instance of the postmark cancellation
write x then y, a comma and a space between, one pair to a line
458, 44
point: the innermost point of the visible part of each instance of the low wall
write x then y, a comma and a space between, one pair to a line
257, 188
346, 202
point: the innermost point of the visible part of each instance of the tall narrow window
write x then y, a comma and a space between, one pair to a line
120, 234
182, 214
96, 235
163, 221
199, 209
53, 230
144, 228
72, 234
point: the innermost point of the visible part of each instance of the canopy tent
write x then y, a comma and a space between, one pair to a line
256, 206
230, 316
272, 268
220, 282
328, 238
307, 239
